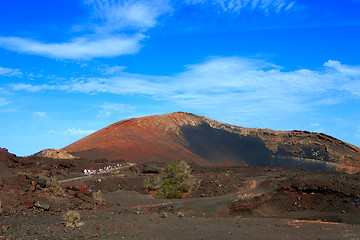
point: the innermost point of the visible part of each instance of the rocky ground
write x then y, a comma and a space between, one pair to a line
223, 203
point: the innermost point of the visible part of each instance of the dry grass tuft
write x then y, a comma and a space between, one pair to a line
72, 219
99, 197
53, 186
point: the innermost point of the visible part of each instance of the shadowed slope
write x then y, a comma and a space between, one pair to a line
202, 141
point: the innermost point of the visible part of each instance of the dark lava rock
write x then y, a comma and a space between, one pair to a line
42, 205
42, 182
31, 177
151, 170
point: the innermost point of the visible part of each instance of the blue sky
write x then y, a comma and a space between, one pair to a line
71, 67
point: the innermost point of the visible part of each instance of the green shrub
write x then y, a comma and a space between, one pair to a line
170, 182
152, 183
172, 190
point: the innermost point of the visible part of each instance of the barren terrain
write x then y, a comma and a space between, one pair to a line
237, 202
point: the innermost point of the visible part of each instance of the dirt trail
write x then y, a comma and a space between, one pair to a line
219, 206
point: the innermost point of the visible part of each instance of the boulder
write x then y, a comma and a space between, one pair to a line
42, 205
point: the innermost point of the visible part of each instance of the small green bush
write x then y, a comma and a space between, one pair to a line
152, 183
170, 182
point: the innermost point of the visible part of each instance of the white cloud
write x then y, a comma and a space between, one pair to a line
347, 76
40, 114
118, 27
31, 88
73, 132
113, 70
108, 109
237, 5
9, 72
109, 17
352, 71
80, 48
231, 84
134, 14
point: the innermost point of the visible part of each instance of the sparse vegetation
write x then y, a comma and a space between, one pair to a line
72, 219
99, 197
170, 183
53, 186
163, 214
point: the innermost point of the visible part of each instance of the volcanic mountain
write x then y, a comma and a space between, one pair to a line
202, 141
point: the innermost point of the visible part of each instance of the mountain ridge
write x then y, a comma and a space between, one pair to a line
203, 141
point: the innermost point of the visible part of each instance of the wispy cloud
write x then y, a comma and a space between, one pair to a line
230, 84
237, 5
128, 14
73, 132
118, 27
40, 114
9, 72
80, 48
110, 37
4, 101
108, 109
31, 88
113, 70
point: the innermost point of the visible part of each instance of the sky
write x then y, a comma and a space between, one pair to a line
71, 67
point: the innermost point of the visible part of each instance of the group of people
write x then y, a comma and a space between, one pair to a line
101, 170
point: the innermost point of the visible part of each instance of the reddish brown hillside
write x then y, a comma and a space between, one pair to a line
5, 156
153, 138
203, 141
7, 162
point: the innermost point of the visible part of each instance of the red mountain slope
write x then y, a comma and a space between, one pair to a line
153, 138
202, 141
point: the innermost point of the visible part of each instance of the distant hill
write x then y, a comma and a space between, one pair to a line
202, 141
54, 153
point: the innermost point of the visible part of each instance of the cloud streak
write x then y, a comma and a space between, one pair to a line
3, 102
117, 28
79, 48
236, 6
40, 114
230, 84
73, 132
108, 109
128, 14
9, 72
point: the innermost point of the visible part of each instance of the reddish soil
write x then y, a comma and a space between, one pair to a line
224, 203
202, 141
